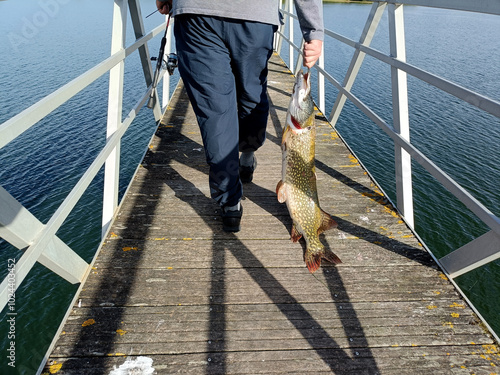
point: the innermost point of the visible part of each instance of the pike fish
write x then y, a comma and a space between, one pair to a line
298, 181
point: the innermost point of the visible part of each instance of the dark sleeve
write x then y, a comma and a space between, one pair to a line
310, 14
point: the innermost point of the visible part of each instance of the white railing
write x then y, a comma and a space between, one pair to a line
17, 225
483, 249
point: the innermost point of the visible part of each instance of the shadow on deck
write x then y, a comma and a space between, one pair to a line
172, 291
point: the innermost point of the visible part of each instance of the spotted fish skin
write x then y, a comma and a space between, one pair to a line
298, 181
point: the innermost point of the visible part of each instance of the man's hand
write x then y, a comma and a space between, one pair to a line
164, 7
312, 52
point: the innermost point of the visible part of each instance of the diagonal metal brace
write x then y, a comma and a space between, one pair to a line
476, 253
20, 228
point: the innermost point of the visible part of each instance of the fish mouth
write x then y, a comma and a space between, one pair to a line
296, 123
298, 110
306, 85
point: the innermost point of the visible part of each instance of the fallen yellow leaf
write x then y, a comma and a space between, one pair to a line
88, 322
55, 367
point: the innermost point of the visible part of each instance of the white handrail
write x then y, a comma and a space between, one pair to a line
480, 6
39, 242
476, 99
18, 124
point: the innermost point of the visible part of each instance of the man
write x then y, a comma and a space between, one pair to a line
223, 49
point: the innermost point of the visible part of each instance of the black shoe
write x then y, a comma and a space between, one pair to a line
246, 173
231, 220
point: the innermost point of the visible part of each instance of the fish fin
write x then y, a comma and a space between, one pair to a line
295, 234
280, 192
313, 262
313, 259
331, 257
327, 222
284, 137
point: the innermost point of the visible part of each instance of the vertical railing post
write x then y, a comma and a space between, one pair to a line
139, 30
115, 101
166, 77
278, 42
290, 35
321, 81
400, 113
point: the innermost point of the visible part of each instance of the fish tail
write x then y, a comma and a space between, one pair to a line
313, 261
314, 254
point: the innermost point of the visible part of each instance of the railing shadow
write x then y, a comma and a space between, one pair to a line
325, 346
318, 338
333, 354
97, 337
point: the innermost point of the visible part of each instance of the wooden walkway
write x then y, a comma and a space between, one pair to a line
173, 291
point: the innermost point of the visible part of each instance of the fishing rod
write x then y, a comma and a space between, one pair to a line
170, 64
150, 14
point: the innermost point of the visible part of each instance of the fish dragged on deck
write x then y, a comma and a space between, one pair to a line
298, 182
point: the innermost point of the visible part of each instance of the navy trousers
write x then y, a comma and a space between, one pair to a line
223, 64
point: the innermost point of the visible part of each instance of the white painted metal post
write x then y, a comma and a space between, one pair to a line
290, 35
166, 78
139, 30
115, 101
321, 81
404, 191
278, 42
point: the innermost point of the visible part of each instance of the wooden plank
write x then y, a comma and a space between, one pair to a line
125, 253
412, 311
423, 361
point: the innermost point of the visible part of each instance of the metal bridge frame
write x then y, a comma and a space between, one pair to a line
39, 241
483, 249
21, 228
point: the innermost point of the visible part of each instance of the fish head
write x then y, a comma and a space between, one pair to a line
302, 88
301, 108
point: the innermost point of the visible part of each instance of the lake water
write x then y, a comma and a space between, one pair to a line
46, 43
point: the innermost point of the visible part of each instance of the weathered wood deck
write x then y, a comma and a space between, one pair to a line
170, 285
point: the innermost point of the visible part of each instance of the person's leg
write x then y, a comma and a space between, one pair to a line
205, 68
251, 46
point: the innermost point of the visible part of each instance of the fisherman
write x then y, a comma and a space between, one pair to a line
223, 49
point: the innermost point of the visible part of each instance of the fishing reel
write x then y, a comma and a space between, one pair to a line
170, 64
